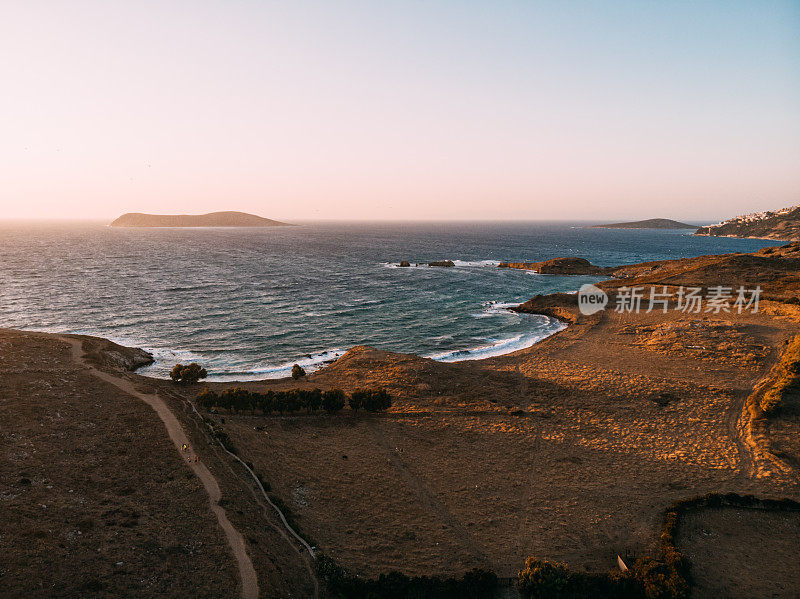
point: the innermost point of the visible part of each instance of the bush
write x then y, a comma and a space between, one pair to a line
186, 375
207, 399
298, 372
333, 400
543, 579
476, 584
372, 400
356, 401
314, 400
235, 399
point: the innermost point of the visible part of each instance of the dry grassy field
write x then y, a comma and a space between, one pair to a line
569, 450
94, 499
742, 553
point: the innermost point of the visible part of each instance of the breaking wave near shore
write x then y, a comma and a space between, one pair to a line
250, 303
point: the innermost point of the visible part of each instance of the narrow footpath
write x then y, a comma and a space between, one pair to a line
246, 571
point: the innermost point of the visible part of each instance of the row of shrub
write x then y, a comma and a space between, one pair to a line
646, 579
476, 584
664, 578
787, 379
236, 399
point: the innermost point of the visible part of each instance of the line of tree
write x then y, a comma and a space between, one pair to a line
236, 400
475, 584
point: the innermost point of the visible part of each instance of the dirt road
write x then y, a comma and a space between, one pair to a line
180, 440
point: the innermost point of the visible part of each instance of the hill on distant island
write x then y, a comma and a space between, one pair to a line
652, 223
782, 224
213, 219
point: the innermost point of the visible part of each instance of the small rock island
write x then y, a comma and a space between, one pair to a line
561, 266
212, 219
651, 223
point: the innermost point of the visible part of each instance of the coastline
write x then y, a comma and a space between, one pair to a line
621, 414
746, 237
317, 360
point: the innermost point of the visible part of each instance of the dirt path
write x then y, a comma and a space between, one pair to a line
246, 571
262, 497
738, 422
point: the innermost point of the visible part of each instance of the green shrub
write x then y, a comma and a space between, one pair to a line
476, 584
333, 400
542, 579
207, 399
315, 399
188, 374
372, 400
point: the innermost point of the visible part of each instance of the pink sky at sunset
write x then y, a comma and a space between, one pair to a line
400, 110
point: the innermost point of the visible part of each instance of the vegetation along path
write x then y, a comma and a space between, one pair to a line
179, 439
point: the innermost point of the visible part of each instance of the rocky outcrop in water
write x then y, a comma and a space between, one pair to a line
561, 266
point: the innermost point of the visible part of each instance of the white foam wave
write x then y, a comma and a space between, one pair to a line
456, 263
498, 347
310, 363
477, 263
494, 308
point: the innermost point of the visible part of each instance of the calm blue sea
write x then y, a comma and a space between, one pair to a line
249, 303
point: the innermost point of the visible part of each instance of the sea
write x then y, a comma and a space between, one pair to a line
248, 303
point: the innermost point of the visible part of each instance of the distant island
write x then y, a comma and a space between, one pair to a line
213, 219
652, 223
782, 225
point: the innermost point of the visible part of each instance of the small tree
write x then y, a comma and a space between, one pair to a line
241, 399
280, 401
372, 400
294, 400
207, 399
315, 399
266, 401
189, 374
379, 400
543, 579
298, 372
356, 400
333, 400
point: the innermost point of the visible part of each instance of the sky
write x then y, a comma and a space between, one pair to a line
403, 110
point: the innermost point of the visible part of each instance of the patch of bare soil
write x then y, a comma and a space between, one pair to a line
741, 553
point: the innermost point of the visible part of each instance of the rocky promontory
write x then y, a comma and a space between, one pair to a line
782, 224
561, 266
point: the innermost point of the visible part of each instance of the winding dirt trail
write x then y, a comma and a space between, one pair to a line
246, 571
